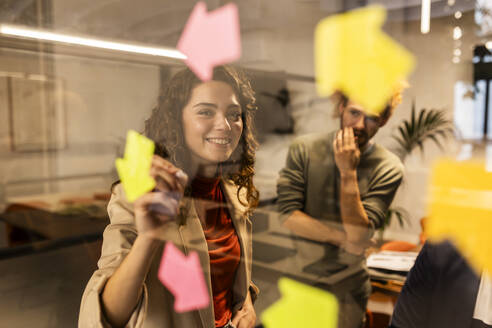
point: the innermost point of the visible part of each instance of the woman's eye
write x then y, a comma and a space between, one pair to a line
235, 116
205, 112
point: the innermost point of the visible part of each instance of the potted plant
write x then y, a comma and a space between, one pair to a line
428, 124
422, 126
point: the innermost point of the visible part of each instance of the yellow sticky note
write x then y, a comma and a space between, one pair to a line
301, 306
460, 209
353, 55
134, 168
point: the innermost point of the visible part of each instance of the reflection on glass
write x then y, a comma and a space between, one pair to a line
489, 112
65, 110
463, 107
479, 109
488, 158
483, 16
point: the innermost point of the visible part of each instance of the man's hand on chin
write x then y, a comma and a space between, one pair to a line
346, 150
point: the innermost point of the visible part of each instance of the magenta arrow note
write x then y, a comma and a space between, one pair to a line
210, 39
183, 276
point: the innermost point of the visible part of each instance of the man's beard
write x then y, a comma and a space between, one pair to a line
361, 138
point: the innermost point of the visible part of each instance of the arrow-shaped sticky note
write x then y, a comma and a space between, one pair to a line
210, 39
301, 306
134, 168
461, 209
353, 55
183, 276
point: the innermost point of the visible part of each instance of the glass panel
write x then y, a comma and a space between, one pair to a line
77, 75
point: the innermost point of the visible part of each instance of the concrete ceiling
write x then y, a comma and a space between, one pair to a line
161, 21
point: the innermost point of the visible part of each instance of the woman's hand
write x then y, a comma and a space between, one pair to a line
246, 316
155, 208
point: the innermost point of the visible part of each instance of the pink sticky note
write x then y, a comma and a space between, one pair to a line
183, 276
210, 39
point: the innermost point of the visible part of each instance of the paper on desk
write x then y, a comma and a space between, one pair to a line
395, 276
460, 209
134, 168
210, 39
394, 261
183, 276
301, 306
353, 55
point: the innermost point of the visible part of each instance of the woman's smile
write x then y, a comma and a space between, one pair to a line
219, 141
212, 123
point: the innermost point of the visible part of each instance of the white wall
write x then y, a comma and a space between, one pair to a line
103, 99
432, 86
16, 166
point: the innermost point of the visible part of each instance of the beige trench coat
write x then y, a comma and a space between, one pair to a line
155, 308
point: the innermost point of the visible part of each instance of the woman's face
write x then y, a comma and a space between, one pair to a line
212, 122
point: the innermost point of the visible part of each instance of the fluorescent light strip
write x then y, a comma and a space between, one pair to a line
425, 16
89, 42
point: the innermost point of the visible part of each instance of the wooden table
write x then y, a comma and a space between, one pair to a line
34, 223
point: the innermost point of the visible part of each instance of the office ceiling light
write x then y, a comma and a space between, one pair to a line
39, 34
457, 52
457, 33
458, 15
425, 16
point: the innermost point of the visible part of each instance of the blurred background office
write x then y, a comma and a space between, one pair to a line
65, 110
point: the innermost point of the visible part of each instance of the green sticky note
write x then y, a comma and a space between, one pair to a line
301, 306
353, 55
134, 168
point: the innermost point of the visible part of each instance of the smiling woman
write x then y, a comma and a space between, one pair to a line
187, 106
212, 125
204, 195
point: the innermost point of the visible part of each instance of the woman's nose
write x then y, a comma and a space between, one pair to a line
222, 123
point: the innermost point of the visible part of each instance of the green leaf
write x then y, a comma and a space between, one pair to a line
420, 127
400, 141
421, 145
412, 122
401, 215
404, 135
420, 119
409, 129
436, 141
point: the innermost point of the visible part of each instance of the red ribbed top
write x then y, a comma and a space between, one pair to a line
223, 244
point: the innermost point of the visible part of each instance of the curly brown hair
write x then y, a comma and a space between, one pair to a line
165, 127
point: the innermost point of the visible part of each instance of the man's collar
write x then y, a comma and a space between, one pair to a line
367, 148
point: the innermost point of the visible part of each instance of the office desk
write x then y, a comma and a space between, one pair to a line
386, 288
52, 220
